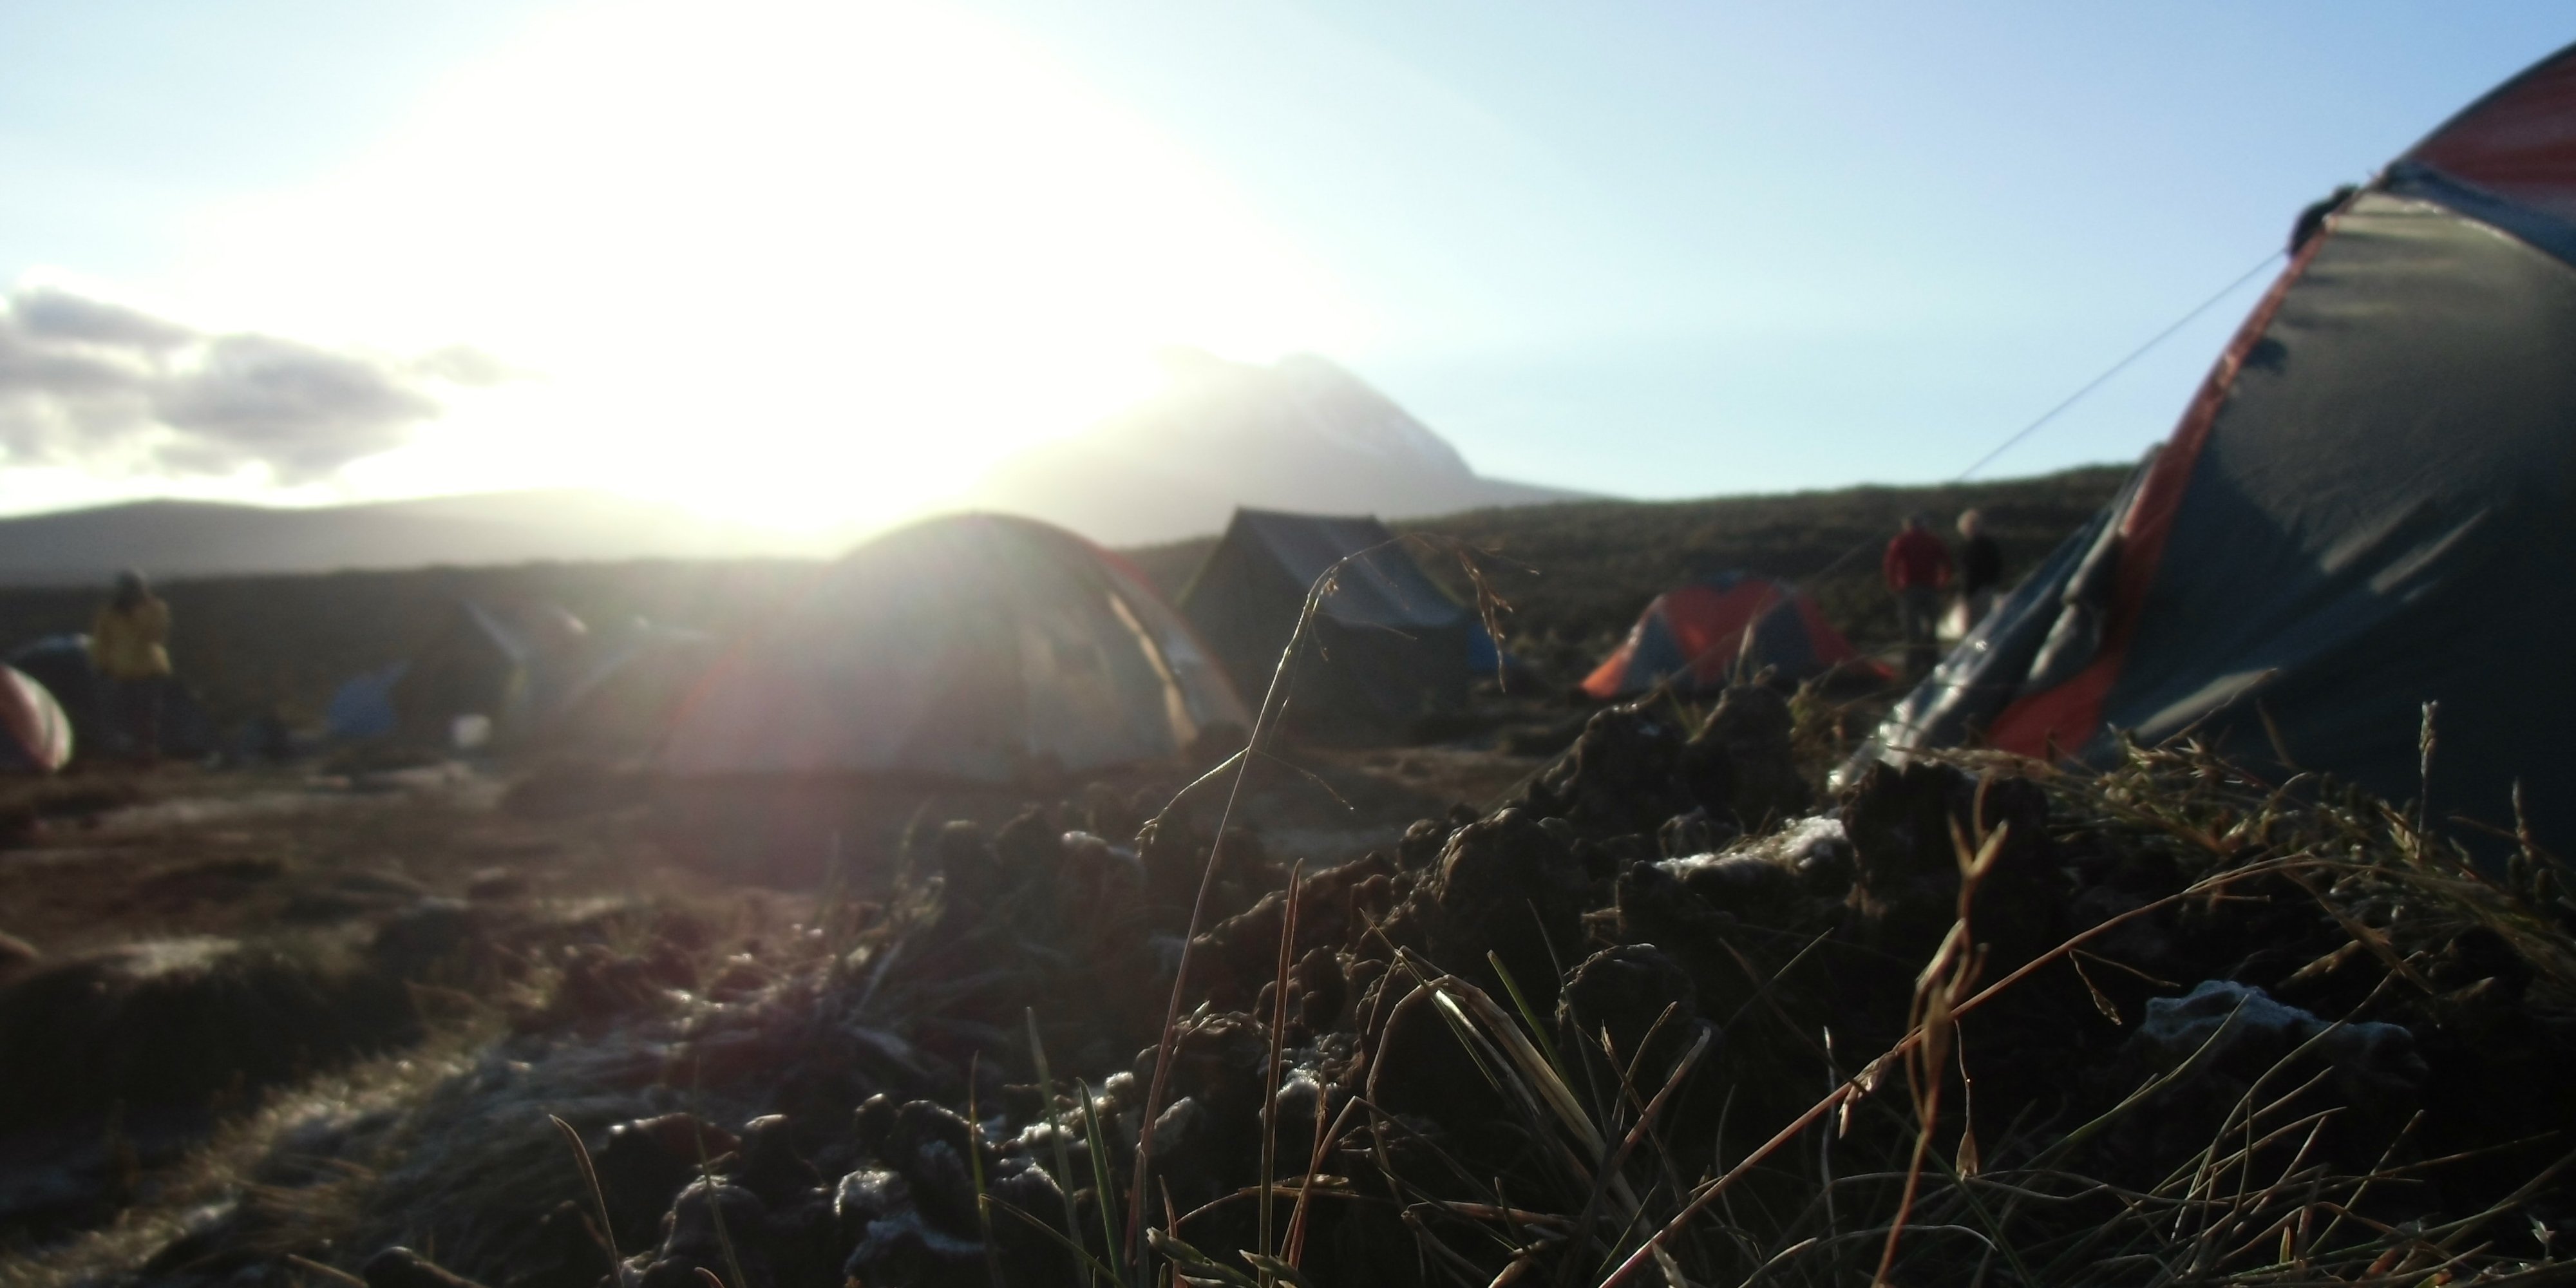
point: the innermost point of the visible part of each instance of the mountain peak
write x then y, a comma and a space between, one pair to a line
1300, 434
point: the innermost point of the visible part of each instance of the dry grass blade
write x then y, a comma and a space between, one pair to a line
1270, 1064
1081, 1255
1324, 1139
1055, 1134
707, 1184
1264, 722
1628, 1144
598, 1197
1102, 1190
975, 1172
1943, 985
333, 1273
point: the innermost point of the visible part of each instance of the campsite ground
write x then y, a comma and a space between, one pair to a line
279, 904
149, 875
115, 857
287, 1022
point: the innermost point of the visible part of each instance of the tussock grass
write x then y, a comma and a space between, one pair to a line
1864, 1185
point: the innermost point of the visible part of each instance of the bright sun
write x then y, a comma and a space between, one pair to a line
801, 264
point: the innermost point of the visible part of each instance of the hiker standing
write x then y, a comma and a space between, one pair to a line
1917, 568
1981, 567
129, 647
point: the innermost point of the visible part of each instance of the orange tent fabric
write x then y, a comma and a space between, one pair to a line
1697, 635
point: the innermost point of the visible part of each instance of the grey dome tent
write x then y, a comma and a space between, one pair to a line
974, 647
2369, 507
1393, 645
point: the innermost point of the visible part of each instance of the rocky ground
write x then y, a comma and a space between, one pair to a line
1663, 1008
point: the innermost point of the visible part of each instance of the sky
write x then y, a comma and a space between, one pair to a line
819, 264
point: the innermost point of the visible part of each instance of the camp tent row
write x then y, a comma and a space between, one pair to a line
989, 647
515, 671
2369, 508
60, 666
2366, 513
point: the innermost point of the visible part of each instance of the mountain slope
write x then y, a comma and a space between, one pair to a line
1301, 435
202, 538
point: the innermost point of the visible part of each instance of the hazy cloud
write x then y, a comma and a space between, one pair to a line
55, 314
88, 382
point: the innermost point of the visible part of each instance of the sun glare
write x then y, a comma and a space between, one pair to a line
803, 265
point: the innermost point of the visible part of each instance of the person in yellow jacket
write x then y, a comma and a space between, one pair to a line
129, 646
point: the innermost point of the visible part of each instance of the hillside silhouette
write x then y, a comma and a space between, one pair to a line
1300, 435
210, 538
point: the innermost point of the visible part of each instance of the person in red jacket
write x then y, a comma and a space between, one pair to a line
1917, 568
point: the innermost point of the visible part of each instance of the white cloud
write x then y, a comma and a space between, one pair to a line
108, 388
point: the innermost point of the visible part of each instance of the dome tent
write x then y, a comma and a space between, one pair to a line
35, 735
974, 646
507, 664
2369, 507
61, 663
1698, 636
1398, 645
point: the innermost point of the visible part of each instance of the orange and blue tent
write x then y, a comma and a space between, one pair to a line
1701, 636
2362, 529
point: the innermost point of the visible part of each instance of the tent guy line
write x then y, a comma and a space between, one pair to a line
2080, 394
2122, 365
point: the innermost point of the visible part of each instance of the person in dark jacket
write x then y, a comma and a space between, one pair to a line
1917, 569
1981, 567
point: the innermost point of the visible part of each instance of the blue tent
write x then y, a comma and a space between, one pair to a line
363, 706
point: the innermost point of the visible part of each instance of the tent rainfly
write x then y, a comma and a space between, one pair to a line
2369, 509
35, 735
981, 647
1390, 644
